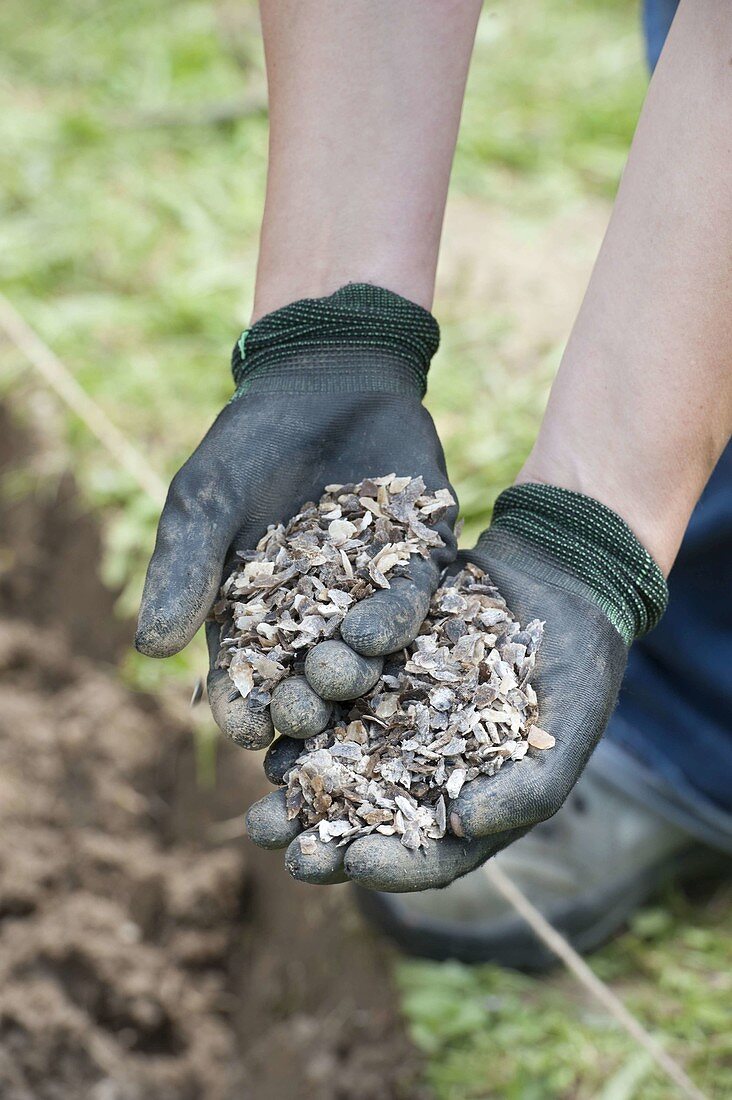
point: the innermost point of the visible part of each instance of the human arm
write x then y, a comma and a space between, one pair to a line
638, 416
365, 102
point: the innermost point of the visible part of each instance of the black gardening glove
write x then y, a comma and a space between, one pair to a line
329, 390
560, 557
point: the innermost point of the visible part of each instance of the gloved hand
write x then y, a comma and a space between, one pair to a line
557, 556
329, 390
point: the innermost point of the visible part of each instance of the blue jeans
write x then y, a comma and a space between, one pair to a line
657, 19
670, 740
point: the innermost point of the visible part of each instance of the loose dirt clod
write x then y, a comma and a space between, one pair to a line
456, 704
138, 959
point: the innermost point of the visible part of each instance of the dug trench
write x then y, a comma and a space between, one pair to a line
139, 958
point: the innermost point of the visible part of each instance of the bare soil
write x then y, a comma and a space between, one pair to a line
138, 958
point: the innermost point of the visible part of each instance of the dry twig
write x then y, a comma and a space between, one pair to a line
574, 962
60, 379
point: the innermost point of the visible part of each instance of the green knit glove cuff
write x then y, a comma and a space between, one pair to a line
593, 543
362, 339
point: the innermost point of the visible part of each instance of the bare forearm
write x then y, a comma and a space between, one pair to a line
642, 405
365, 101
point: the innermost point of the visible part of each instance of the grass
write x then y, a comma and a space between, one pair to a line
130, 244
489, 1032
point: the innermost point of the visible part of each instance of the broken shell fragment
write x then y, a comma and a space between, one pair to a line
540, 739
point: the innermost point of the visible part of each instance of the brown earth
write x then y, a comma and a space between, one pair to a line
138, 958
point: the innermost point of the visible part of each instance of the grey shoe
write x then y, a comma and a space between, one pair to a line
587, 869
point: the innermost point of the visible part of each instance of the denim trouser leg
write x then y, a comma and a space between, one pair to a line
657, 18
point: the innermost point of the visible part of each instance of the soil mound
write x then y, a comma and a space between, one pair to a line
138, 958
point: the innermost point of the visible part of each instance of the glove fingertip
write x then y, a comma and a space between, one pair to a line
335, 672
297, 711
384, 863
519, 795
390, 619
156, 639
279, 758
267, 823
317, 863
248, 728
170, 616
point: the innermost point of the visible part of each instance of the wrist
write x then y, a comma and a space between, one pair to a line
281, 281
656, 516
362, 338
587, 544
